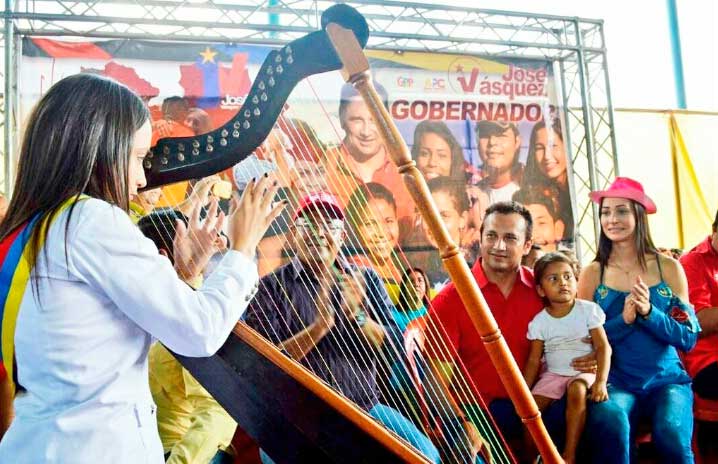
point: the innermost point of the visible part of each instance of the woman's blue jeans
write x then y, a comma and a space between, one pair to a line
611, 425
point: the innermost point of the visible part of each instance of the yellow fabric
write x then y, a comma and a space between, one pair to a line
392, 288
192, 425
173, 194
136, 212
19, 279
437, 61
646, 144
694, 214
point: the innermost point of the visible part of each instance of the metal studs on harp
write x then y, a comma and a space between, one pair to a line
210, 139
290, 59
279, 69
278, 58
261, 85
271, 82
180, 147
209, 148
255, 100
180, 156
246, 125
195, 152
235, 134
164, 160
224, 133
223, 142
166, 150
270, 70
257, 112
195, 143
263, 97
147, 164
288, 49
247, 114
237, 125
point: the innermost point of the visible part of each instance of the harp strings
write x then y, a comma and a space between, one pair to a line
298, 139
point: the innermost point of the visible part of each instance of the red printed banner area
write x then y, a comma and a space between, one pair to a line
480, 131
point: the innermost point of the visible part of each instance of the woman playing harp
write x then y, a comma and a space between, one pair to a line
84, 293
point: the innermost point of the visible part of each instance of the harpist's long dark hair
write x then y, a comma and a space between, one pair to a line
77, 141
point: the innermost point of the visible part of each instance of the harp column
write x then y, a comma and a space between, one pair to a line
356, 71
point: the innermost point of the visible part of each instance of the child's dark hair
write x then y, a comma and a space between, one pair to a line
454, 188
553, 257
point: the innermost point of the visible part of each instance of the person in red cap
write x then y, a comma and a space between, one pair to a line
332, 317
643, 294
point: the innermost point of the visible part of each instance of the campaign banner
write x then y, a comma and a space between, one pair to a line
481, 130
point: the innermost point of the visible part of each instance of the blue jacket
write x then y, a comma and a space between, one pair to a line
645, 353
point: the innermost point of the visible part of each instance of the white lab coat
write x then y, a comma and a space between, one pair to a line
81, 349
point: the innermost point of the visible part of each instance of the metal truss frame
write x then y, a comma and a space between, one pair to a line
575, 45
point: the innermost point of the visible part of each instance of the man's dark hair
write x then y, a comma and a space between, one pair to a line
160, 227
510, 207
349, 93
543, 195
456, 189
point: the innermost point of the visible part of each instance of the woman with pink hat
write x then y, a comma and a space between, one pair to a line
643, 294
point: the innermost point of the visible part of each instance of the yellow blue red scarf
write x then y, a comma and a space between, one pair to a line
15, 269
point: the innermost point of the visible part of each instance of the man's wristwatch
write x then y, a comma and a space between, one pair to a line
360, 318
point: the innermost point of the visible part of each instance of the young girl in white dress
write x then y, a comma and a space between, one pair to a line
559, 332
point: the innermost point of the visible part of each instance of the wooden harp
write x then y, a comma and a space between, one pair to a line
300, 418
292, 414
355, 70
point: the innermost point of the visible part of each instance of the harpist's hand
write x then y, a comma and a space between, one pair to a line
252, 214
200, 195
195, 243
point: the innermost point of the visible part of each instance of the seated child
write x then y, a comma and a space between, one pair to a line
559, 332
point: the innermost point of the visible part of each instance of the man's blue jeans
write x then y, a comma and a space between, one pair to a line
397, 423
611, 425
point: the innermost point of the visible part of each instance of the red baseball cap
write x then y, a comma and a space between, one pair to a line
324, 202
624, 187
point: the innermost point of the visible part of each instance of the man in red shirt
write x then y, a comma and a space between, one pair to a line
510, 292
701, 266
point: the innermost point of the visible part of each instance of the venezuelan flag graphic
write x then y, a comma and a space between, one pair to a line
15, 270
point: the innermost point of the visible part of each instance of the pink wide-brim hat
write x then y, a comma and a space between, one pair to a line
624, 187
